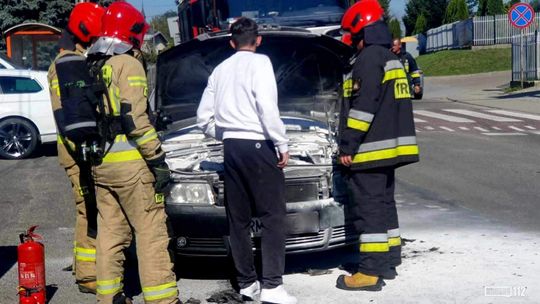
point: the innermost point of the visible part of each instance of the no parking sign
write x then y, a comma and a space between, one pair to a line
521, 15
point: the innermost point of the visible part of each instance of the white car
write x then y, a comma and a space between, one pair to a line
26, 117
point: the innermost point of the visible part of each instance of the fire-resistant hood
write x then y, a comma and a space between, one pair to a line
308, 70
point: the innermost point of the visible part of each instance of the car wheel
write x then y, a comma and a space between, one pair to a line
18, 138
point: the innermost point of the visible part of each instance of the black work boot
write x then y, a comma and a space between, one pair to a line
390, 274
120, 298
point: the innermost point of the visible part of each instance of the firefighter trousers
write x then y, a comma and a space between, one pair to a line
374, 214
126, 210
84, 250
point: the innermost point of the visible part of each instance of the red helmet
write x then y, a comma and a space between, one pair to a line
347, 39
125, 22
361, 14
85, 21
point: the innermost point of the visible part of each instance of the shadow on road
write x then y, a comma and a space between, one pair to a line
50, 291
519, 95
8, 258
47, 150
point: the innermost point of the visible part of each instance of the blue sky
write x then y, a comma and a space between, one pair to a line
156, 7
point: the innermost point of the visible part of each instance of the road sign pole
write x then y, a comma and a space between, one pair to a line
522, 59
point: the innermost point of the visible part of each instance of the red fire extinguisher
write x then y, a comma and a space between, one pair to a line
31, 262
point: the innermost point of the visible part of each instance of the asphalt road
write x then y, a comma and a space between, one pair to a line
471, 187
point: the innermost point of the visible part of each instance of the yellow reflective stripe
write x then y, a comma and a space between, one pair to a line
84, 254
63, 141
160, 292
386, 154
395, 241
148, 136
137, 81
55, 85
394, 74
374, 247
122, 156
107, 287
415, 75
348, 88
358, 124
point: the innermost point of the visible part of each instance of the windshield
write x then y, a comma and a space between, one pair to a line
292, 12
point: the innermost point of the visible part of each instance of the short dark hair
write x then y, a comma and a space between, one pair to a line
244, 32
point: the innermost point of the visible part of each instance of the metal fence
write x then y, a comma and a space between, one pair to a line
531, 53
492, 30
455, 35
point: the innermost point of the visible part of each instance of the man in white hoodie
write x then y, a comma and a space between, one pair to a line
240, 107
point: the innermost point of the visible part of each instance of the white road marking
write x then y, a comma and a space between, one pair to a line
443, 116
530, 128
464, 128
429, 128
447, 129
516, 129
503, 134
536, 132
481, 129
496, 128
418, 120
516, 114
418, 131
482, 115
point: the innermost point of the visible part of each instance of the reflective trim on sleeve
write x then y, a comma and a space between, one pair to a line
107, 287
361, 115
70, 58
358, 125
114, 95
160, 292
386, 144
385, 154
347, 88
374, 247
394, 242
148, 136
415, 75
137, 81
374, 238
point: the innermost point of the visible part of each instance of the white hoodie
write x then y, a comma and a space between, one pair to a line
240, 101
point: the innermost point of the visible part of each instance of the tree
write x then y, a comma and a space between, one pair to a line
395, 28
385, 4
433, 11
456, 11
421, 25
536, 5
495, 7
472, 6
159, 23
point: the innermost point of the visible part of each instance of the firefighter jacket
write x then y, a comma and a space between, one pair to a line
124, 158
411, 68
377, 126
66, 149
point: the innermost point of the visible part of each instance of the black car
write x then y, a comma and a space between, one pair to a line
309, 70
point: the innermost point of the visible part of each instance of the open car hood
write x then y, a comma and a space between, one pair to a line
308, 68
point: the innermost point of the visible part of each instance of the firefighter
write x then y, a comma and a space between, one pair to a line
74, 42
411, 68
132, 173
377, 135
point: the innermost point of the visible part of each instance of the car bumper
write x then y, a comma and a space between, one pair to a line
311, 226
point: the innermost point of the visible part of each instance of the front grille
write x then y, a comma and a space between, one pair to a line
206, 243
307, 239
344, 234
301, 191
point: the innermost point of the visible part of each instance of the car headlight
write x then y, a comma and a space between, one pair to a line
191, 193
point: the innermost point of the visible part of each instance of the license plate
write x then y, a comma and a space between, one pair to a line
255, 227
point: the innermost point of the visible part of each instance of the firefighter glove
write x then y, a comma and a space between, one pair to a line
161, 172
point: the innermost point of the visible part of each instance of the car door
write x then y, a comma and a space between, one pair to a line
26, 95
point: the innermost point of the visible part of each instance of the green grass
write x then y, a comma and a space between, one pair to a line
461, 62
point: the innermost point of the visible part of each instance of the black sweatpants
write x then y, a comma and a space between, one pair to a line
373, 210
255, 186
